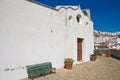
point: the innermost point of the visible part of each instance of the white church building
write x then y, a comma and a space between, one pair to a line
33, 33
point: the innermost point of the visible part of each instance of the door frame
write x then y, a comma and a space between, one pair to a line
80, 54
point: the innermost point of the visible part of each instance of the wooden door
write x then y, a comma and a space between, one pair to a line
79, 49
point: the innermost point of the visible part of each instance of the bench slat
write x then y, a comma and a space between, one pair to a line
40, 69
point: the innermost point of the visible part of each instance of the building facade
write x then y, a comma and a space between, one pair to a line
32, 33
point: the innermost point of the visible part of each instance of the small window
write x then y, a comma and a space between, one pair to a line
86, 23
85, 13
78, 18
70, 18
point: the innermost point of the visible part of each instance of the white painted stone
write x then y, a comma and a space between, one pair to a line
33, 34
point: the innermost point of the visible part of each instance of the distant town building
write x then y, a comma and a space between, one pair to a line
111, 40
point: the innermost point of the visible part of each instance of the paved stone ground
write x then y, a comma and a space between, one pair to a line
105, 68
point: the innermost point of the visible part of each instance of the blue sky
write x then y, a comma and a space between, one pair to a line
104, 13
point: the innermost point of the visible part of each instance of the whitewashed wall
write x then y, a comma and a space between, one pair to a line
76, 30
29, 34
33, 34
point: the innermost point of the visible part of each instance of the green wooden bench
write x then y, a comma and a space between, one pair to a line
40, 70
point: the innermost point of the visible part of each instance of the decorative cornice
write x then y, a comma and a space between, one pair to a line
68, 8
38, 3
